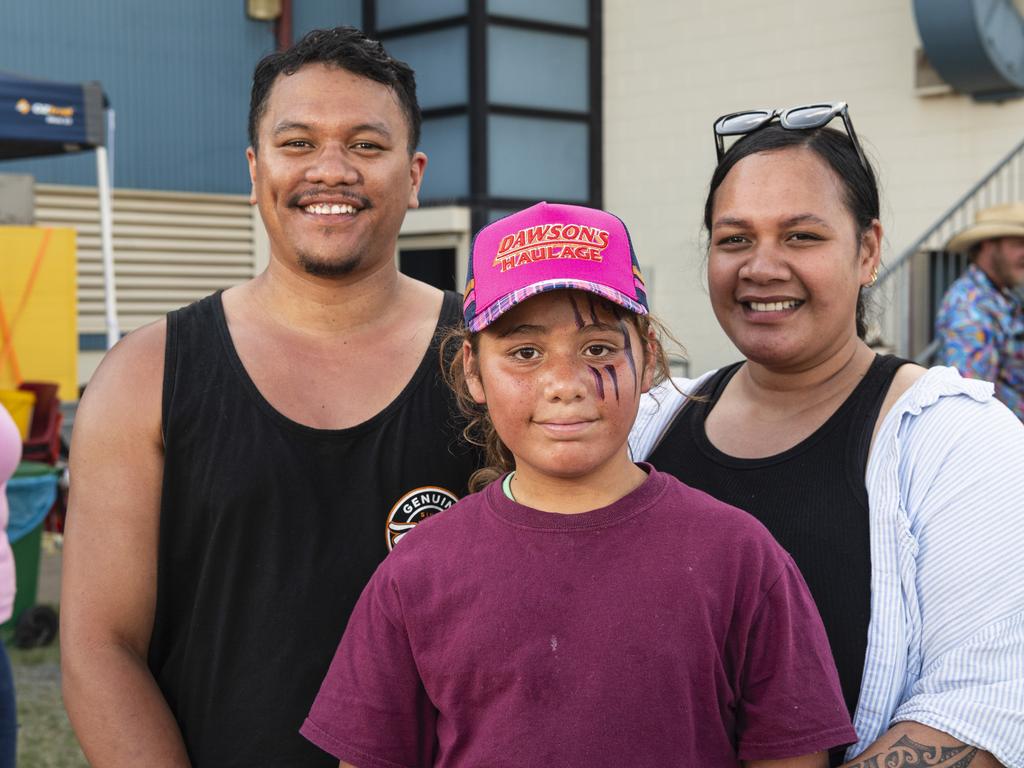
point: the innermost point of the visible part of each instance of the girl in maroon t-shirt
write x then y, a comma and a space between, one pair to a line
581, 610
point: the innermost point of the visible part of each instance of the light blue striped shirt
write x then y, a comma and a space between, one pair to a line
945, 482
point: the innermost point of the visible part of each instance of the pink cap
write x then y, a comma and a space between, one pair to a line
549, 247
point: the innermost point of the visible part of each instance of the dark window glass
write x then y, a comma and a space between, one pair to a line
434, 266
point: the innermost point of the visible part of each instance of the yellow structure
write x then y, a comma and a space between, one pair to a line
38, 308
20, 405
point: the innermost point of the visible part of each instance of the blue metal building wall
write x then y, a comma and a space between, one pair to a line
322, 14
177, 74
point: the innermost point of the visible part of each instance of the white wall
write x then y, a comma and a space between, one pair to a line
673, 66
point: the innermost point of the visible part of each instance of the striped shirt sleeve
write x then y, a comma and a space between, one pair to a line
658, 410
962, 485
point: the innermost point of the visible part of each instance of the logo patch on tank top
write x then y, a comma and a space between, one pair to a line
417, 505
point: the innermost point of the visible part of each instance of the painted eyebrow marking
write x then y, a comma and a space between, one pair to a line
595, 321
576, 312
593, 313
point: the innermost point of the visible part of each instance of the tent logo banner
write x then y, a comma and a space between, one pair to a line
40, 113
53, 115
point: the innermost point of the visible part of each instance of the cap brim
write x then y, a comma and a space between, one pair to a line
502, 305
984, 231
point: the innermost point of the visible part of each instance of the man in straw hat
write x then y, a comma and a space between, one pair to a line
980, 325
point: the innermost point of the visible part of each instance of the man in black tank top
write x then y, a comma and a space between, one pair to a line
243, 466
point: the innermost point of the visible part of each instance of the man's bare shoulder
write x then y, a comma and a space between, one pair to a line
127, 387
420, 303
420, 298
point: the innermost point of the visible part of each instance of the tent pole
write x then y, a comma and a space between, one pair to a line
107, 243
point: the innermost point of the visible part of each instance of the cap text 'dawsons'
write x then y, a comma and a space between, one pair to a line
550, 241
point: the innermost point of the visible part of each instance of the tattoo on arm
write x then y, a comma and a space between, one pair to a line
907, 752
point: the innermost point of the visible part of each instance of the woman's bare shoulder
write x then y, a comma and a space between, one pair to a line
906, 376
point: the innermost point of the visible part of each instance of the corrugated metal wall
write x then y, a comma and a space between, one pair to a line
178, 75
169, 248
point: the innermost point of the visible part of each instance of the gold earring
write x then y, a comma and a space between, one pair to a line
873, 279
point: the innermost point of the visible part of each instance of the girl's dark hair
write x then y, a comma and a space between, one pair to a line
479, 429
860, 190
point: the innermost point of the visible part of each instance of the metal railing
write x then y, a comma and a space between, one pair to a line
918, 277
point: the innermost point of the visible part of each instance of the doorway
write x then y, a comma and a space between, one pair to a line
434, 266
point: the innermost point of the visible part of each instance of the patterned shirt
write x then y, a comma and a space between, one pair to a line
946, 637
980, 330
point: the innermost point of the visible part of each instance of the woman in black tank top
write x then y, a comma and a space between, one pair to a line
789, 491
794, 239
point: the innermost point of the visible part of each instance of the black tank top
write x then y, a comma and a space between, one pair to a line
811, 497
268, 532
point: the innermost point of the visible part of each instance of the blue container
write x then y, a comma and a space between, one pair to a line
30, 495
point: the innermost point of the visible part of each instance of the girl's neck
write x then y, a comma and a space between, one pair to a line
573, 495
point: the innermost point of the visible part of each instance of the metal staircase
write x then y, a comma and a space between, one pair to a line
916, 280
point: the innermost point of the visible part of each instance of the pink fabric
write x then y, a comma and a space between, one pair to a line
546, 247
10, 455
667, 629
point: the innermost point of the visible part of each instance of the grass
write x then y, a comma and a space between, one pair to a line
45, 739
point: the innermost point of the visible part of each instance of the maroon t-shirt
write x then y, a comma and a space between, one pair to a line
668, 629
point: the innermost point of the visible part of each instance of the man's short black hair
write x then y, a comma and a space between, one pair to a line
346, 48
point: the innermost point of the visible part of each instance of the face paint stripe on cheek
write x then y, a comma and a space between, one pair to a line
615, 379
598, 382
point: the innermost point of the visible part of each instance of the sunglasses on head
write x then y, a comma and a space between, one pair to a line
800, 118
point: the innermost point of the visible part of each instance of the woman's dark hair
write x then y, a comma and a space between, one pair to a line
345, 48
860, 190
